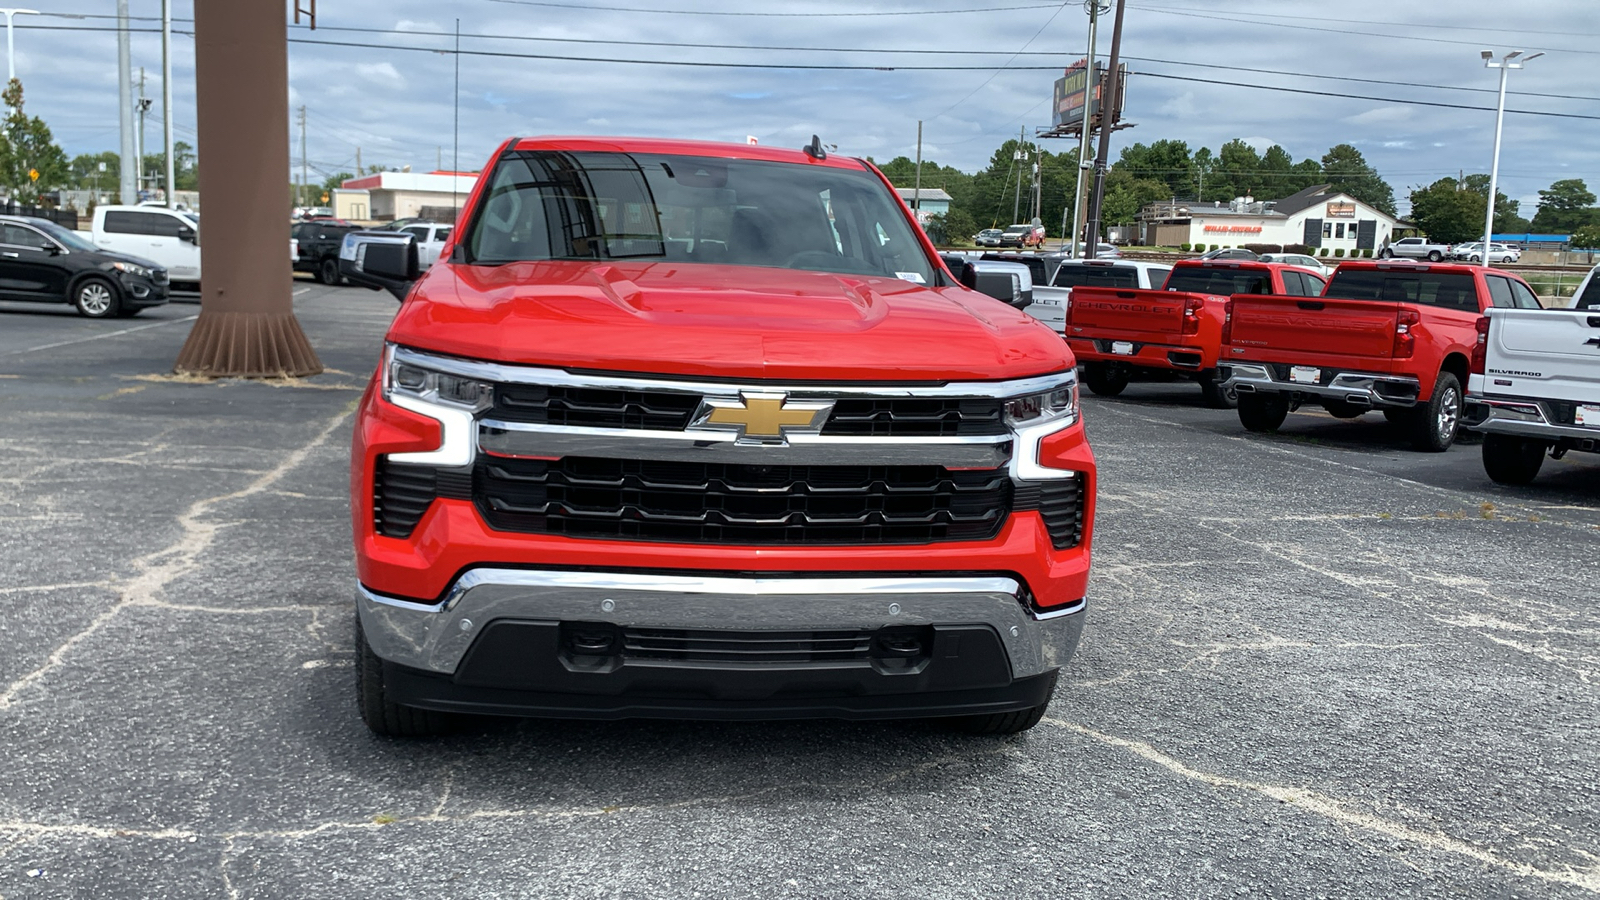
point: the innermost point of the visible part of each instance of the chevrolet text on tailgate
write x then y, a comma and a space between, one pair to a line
1392, 336
701, 430
1176, 330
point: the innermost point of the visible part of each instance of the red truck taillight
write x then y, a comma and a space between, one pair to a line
1191, 314
1480, 350
1405, 343
1227, 322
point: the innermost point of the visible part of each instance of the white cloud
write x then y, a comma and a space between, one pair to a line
383, 74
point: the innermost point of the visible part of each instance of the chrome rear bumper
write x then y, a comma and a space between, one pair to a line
1368, 389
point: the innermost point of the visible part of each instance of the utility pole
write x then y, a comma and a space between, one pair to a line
438, 157
143, 107
916, 190
1108, 106
127, 171
247, 325
304, 179
166, 96
359, 171
1018, 157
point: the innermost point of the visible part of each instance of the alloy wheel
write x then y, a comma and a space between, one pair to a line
95, 299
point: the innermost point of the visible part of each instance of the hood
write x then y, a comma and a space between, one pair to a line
129, 258
719, 321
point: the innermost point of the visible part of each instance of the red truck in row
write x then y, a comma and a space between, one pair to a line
1394, 336
1176, 330
708, 430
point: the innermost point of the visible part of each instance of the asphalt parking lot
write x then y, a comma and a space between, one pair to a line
1317, 664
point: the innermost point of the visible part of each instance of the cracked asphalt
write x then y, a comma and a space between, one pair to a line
1316, 664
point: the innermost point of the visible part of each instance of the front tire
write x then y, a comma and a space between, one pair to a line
328, 271
384, 716
1512, 460
1106, 379
96, 298
1434, 423
1262, 413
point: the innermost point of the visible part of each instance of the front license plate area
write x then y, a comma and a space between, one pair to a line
1305, 374
1125, 348
1587, 415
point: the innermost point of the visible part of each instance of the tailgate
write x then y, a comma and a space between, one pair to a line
1546, 353
1097, 311
1313, 325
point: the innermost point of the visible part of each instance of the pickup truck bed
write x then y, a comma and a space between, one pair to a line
1535, 388
1389, 336
1174, 331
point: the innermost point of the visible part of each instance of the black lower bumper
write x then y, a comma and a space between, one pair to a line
527, 668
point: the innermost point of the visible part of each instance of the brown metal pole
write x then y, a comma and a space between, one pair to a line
247, 325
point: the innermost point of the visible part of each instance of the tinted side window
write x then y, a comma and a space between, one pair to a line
1525, 298
1448, 290
22, 236
1500, 291
1314, 285
156, 224
1292, 284
1590, 299
124, 223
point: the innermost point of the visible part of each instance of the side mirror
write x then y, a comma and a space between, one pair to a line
51, 250
380, 259
1003, 286
185, 233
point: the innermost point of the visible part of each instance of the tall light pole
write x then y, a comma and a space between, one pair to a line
11, 48
166, 94
127, 168
1504, 64
1095, 9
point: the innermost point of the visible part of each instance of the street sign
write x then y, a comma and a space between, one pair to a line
33, 174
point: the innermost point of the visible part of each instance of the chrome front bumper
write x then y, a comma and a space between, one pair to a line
435, 637
1522, 418
1357, 388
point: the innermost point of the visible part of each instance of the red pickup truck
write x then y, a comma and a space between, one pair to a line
1176, 330
1395, 336
684, 429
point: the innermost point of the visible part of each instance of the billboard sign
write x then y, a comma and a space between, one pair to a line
1077, 94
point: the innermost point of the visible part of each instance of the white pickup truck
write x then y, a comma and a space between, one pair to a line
170, 237
1535, 388
1050, 303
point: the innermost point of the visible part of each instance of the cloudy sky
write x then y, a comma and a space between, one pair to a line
378, 83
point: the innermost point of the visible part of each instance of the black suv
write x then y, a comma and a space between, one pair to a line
40, 260
319, 247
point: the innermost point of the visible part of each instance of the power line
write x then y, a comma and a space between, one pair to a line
789, 15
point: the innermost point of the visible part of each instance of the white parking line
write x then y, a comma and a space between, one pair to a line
108, 334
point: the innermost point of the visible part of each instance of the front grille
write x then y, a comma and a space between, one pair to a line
1061, 505
669, 411
740, 504
914, 417
593, 407
683, 645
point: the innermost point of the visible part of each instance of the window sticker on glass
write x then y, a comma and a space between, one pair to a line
915, 277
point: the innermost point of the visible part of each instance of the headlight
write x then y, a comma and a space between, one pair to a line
430, 386
450, 400
1034, 409
133, 269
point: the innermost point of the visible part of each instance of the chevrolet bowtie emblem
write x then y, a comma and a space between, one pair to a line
761, 418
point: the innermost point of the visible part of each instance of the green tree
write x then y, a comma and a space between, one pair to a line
1448, 214
1586, 238
1166, 161
1565, 206
1346, 169
26, 146
953, 227
85, 170
1237, 170
334, 180
1203, 164
1506, 218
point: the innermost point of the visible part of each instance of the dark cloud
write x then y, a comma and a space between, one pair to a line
393, 97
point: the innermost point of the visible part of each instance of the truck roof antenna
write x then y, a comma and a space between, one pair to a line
814, 149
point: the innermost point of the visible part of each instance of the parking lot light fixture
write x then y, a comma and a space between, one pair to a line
1504, 64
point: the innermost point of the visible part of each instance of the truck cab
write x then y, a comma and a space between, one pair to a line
168, 237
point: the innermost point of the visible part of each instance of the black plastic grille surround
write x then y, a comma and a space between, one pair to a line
1060, 504
688, 645
402, 493
740, 504
670, 411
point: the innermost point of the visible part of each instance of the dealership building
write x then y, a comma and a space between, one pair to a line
1317, 217
386, 196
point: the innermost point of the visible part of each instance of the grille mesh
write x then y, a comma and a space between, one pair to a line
741, 504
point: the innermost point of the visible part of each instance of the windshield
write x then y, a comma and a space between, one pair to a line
1590, 298
67, 237
1097, 276
1223, 281
594, 205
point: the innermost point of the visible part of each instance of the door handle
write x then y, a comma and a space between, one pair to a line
10, 254
1310, 304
